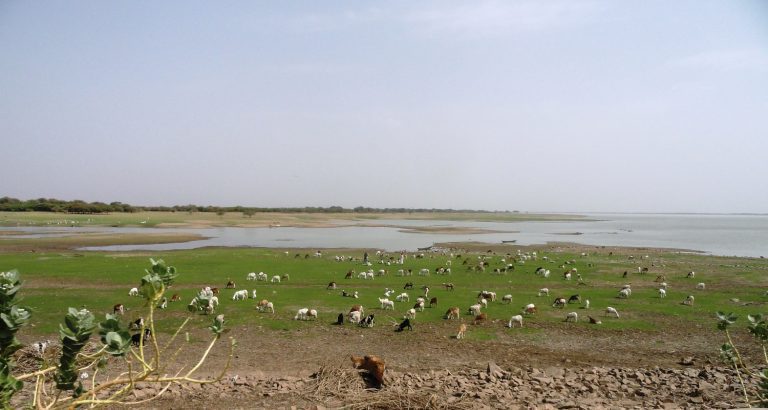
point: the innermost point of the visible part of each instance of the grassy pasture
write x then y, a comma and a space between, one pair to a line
204, 219
54, 281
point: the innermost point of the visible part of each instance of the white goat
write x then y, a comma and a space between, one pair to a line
262, 276
133, 292
253, 294
474, 310
276, 279
544, 291
506, 299
572, 316
612, 311
689, 300
301, 314
240, 295
410, 314
624, 293
403, 297
387, 304
515, 319
354, 316
251, 276
662, 293
700, 286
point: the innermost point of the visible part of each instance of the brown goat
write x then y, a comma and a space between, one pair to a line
480, 318
452, 313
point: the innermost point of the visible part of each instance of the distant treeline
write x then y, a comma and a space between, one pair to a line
81, 207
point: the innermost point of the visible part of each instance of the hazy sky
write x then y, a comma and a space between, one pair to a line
497, 105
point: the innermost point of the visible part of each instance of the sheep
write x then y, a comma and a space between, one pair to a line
689, 300
572, 316
611, 311
275, 279
452, 313
301, 314
118, 309
559, 303
506, 299
403, 297
544, 292
474, 310
515, 319
700, 286
410, 314
482, 317
251, 276
462, 331
240, 295
529, 309
373, 366
662, 293
133, 292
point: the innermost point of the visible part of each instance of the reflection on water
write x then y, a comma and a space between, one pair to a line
717, 234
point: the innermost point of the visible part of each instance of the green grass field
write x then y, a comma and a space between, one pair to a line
54, 281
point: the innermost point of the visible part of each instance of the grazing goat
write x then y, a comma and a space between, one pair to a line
408, 285
240, 295
515, 319
368, 321
660, 278
403, 297
506, 299
137, 324
264, 305
433, 302
611, 311
462, 331
482, 317
452, 313
572, 316
118, 309
448, 286
419, 306
133, 292
175, 297
700, 286
410, 314
586, 304
163, 304
349, 274
340, 319
544, 292
137, 338
230, 284
487, 295
529, 309
403, 325
331, 286
474, 310
574, 299
275, 279
251, 276
689, 300
374, 367
262, 276
253, 294
387, 304
691, 275
662, 293
41, 346
559, 303
354, 316
301, 314
594, 321
624, 293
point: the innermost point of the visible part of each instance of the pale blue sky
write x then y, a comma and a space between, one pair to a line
534, 105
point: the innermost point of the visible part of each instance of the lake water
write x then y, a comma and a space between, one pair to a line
730, 235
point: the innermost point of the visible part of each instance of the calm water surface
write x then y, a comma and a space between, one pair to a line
735, 235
